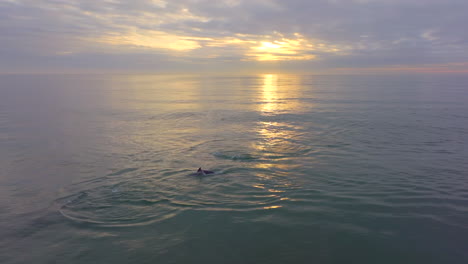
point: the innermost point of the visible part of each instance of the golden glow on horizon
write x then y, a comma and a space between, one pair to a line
165, 36
152, 40
283, 49
275, 47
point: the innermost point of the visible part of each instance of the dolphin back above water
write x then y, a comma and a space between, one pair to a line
203, 172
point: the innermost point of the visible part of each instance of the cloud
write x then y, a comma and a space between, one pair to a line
317, 34
149, 39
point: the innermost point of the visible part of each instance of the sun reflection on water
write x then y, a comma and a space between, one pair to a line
270, 94
272, 207
280, 94
276, 99
278, 135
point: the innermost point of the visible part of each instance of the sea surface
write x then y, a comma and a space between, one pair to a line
308, 169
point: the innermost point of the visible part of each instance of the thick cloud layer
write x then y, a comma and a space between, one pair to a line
189, 35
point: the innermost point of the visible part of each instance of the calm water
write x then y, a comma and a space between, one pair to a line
309, 169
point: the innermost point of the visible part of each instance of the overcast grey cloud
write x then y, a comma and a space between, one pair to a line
189, 35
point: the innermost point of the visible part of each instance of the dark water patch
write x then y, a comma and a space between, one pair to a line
200, 145
34, 222
235, 156
123, 171
179, 116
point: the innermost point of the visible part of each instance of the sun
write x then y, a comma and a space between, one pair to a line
269, 46
282, 49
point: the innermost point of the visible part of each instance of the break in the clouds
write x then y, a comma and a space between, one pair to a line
193, 35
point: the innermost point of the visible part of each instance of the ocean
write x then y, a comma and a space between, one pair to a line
307, 168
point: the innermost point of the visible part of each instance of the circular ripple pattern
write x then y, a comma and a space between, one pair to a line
142, 200
112, 206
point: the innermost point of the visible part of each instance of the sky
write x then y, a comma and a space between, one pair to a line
183, 36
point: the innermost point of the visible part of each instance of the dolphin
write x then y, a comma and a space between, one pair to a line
201, 172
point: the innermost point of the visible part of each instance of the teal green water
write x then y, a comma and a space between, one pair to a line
308, 169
